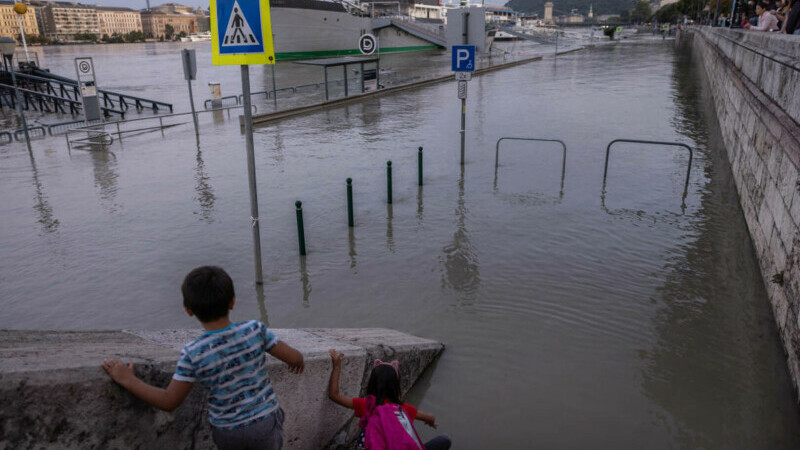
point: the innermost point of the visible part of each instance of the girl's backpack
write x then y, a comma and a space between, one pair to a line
387, 427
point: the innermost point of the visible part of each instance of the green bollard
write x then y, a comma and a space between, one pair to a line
389, 181
350, 202
419, 166
301, 234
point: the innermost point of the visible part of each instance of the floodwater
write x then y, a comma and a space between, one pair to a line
573, 317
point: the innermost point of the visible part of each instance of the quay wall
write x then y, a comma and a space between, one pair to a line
755, 84
55, 395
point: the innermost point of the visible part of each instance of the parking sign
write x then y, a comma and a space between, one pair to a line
463, 58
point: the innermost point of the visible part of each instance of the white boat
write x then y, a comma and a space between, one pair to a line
199, 37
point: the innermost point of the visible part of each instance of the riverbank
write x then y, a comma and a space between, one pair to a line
55, 395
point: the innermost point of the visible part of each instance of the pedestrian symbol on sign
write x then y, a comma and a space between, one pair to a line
238, 31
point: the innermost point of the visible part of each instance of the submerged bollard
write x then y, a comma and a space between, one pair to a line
349, 202
301, 234
389, 181
419, 166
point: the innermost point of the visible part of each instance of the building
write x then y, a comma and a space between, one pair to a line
63, 20
118, 20
427, 13
9, 25
154, 24
548, 13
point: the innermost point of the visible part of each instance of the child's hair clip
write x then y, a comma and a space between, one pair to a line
395, 365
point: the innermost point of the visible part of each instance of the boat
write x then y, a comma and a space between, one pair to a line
200, 37
317, 29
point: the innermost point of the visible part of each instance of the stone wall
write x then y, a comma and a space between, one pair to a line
755, 82
55, 395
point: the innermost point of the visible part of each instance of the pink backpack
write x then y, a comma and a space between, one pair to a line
387, 427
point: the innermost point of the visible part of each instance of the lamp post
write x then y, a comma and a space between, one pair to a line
21, 9
7, 46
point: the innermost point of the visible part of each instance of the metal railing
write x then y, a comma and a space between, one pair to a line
638, 141
512, 138
221, 101
8, 135
20, 134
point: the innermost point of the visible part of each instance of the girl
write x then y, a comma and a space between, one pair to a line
384, 386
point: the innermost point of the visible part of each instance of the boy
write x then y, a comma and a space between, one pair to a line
229, 360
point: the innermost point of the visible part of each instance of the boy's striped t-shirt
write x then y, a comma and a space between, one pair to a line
231, 364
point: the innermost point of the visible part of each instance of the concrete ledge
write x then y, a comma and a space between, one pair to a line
271, 117
55, 395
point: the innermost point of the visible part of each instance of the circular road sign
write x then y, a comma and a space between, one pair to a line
84, 67
367, 44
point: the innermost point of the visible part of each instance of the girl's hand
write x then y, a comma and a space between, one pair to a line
430, 420
119, 371
336, 358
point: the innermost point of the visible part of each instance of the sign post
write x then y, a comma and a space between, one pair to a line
463, 61
190, 73
241, 34
87, 84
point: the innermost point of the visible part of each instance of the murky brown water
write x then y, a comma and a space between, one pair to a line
570, 321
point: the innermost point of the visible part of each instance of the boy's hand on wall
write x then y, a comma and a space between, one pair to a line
119, 371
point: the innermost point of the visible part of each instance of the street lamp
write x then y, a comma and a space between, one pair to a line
7, 46
21, 9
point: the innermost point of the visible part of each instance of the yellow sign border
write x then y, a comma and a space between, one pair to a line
268, 57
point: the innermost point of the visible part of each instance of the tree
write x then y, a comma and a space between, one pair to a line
669, 14
91, 37
625, 16
182, 34
135, 36
169, 32
641, 12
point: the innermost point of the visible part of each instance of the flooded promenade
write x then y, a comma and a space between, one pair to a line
572, 317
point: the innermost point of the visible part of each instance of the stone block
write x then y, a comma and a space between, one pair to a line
55, 395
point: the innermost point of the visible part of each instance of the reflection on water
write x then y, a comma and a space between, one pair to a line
304, 281
205, 192
702, 309
43, 209
461, 271
351, 245
389, 231
106, 176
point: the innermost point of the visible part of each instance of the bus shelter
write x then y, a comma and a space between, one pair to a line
370, 78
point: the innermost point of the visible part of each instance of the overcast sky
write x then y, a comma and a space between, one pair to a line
141, 4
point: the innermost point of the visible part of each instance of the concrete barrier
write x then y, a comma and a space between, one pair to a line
55, 395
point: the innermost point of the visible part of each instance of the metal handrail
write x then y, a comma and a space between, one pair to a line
638, 141
234, 97
512, 138
18, 133
8, 135
31, 94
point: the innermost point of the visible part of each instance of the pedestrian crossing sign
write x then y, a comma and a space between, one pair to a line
241, 32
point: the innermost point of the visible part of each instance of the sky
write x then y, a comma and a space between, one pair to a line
141, 4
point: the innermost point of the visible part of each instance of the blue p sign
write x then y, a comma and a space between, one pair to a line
463, 58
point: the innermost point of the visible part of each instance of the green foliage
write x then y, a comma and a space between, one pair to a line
182, 34
169, 32
90, 37
641, 12
600, 7
135, 36
669, 14
34, 39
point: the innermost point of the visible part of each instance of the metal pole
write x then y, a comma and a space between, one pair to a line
349, 202
22, 34
419, 167
301, 234
325, 70
463, 100
275, 90
344, 69
251, 172
389, 182
194, 114
362, 77
730, 19
556, 43
19, 105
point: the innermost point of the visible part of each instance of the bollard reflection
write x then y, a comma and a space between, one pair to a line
389, 231
351, 240
304, 280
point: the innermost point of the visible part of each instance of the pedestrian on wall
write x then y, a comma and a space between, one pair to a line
766, 20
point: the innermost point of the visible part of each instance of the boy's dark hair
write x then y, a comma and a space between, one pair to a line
763, 5
384, 385
207, 292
